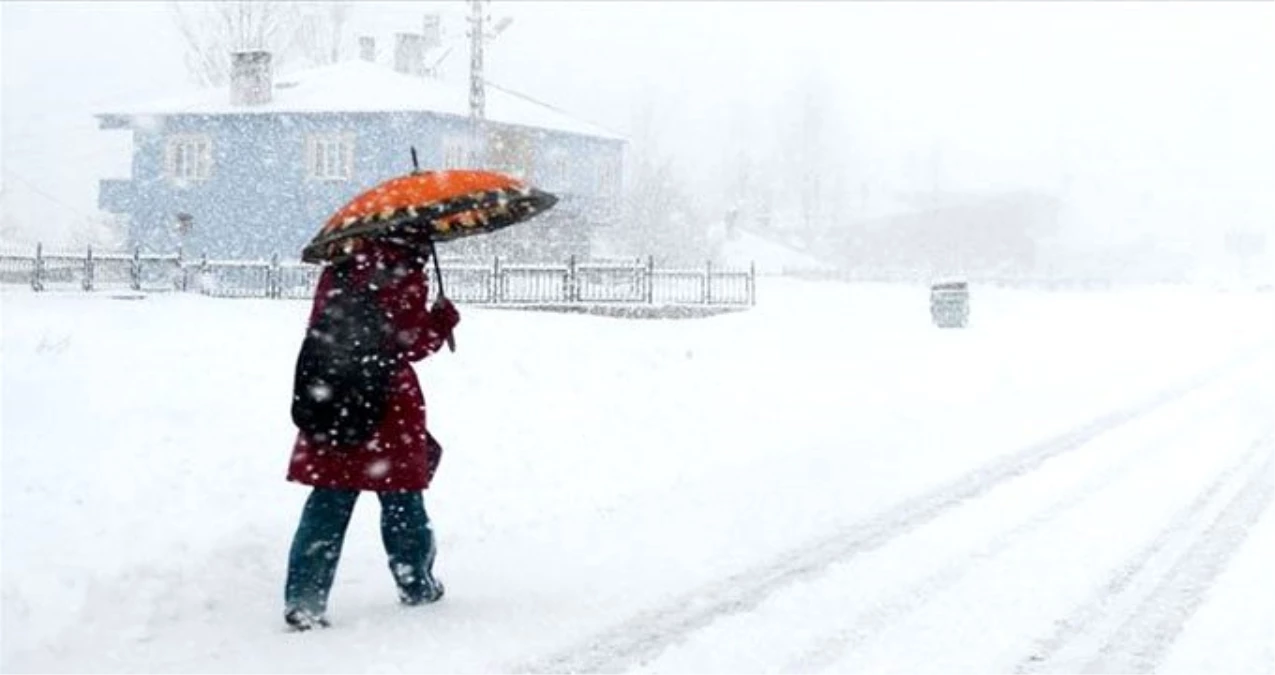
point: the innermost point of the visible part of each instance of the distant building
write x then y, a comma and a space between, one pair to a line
255, 168
991, 235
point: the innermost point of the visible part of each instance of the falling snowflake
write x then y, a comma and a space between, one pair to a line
404, 573
378, 469
320, 392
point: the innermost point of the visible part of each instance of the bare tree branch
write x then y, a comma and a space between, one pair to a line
212, 30
320, 29
660, 212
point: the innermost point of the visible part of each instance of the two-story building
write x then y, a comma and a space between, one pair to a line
254, 168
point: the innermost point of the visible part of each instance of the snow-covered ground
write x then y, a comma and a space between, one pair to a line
1079, 481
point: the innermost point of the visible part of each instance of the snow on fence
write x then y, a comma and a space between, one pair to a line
496, 282
89, 270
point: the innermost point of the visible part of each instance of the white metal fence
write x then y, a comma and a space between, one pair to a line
485, 282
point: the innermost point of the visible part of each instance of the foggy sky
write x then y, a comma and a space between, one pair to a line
1149, 117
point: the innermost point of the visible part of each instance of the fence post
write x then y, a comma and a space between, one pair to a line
183, 281
650, 279
708, 282
203, 273
752, 283
274, 285
135, 269
37, 272
572, 290
87, 282
497, 280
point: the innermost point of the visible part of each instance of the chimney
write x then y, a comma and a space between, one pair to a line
250, 78
409, 53
367, 48
433, 31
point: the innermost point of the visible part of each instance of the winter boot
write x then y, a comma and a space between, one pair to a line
428, 593
302, 620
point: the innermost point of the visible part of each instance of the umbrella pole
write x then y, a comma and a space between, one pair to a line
438, 274
433, 253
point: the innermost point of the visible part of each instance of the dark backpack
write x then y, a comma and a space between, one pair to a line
344, 368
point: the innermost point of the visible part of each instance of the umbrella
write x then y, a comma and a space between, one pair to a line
425, 207
429, 206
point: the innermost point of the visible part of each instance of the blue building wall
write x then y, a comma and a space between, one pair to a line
259, 199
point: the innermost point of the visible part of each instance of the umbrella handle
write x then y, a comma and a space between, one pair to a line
438, 274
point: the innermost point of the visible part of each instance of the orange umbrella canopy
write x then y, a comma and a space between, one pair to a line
429, 206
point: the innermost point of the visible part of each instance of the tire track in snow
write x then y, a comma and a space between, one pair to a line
826, 651
1136, 616
649, 633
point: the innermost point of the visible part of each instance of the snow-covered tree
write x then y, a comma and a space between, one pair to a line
320, 33
813, 184
661, 217
310, 32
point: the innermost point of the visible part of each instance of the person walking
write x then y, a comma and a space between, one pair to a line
378, 444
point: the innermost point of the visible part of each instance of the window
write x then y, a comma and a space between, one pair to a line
513, 152
609, 178
188, 157
330, 156
513, 166
608, 188
555, 171
457, 153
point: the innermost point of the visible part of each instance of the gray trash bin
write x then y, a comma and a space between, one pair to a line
950, 304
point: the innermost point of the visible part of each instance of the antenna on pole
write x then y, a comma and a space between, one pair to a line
477, 35
477, 88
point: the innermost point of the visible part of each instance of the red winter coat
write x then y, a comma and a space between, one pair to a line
398, 456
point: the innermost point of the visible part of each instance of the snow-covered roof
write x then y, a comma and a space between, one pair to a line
769, 256
360, 86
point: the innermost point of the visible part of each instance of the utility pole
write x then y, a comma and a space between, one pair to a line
477, 35
477, 90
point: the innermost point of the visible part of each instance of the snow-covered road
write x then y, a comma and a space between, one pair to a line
1088, 553
1078, 482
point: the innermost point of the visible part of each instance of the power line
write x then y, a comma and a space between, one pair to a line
64, 159
40, 191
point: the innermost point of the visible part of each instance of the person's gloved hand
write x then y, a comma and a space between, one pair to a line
445, 315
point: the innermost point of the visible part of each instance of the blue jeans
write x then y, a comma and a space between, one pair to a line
316, 548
